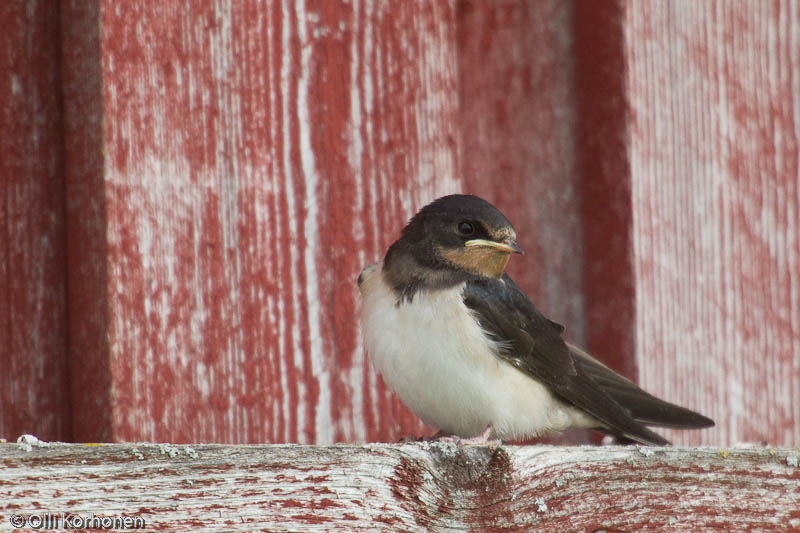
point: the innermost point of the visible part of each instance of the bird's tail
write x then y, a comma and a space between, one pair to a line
641, 405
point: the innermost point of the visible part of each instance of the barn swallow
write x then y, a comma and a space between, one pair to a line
467, 351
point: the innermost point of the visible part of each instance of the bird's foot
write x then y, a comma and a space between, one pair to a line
409, 439
481, 439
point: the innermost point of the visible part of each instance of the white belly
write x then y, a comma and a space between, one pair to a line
434, 355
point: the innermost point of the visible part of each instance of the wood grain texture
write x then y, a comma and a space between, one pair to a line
605, 183
714, 93
88, 302
517, 130
384, 84
403, 154
253, 160
413, 487
33, 320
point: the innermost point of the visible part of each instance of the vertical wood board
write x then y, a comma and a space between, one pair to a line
249, 149
517, 130
714, 92
34, 391
605, 176
86, 270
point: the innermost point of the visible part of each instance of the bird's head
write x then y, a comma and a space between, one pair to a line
460, 233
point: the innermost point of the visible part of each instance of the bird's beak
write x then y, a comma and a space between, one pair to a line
508, 246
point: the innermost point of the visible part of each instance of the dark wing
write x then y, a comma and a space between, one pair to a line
534, 345
641, 405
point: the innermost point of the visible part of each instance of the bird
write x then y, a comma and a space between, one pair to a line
467, 351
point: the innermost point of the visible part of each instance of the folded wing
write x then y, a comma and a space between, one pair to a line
534, 344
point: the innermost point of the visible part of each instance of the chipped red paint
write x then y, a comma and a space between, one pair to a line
88, 310
605, 183
33, 326
416, 487
517, 150
715, 200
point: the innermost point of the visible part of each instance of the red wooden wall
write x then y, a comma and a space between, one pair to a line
189, 191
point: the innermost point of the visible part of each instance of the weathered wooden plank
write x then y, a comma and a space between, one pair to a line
34, 388
605, 181
411, 487
517, 128
714, 95
253, 158
86, 272
402, 153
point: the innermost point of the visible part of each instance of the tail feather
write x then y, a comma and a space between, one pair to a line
642, 406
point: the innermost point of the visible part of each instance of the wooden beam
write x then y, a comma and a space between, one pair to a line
33, 303
407, 487
713, 149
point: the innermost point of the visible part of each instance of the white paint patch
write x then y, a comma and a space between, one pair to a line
715, 213
16, 85
354, 429
319, 367
291, 201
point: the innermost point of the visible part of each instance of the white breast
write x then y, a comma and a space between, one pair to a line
434, 355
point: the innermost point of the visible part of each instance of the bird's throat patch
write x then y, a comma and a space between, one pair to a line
481, 260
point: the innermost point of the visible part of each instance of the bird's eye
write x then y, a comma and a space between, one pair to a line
465, 228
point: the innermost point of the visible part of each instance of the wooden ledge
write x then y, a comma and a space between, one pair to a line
405, 487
